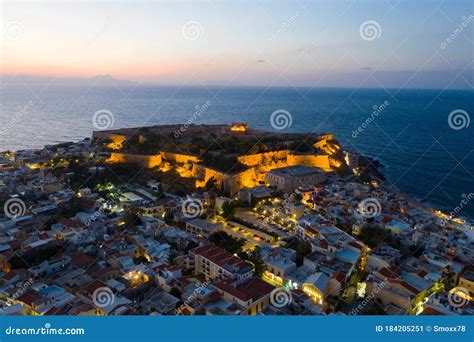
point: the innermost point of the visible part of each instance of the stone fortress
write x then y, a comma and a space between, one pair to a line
326, 155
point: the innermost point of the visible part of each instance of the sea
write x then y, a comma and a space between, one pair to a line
423, 138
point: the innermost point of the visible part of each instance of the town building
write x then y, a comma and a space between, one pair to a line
288, 179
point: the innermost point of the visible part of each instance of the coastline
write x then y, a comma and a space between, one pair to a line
377, 163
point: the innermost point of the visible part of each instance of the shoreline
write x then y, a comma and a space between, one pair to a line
377, 162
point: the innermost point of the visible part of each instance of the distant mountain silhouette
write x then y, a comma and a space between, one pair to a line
366, 77
96, 81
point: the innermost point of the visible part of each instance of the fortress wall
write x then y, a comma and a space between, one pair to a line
204, 174
320, 143
146, 161
327, 137
179, 158
262, 158
230, 183
320, 161
245, 179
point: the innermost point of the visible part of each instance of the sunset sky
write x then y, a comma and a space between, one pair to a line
237, 42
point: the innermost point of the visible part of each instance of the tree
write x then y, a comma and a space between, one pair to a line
226, 241
175, 292
228, 209
131, 216
255, 258
302, 249
191, 245
72, 207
